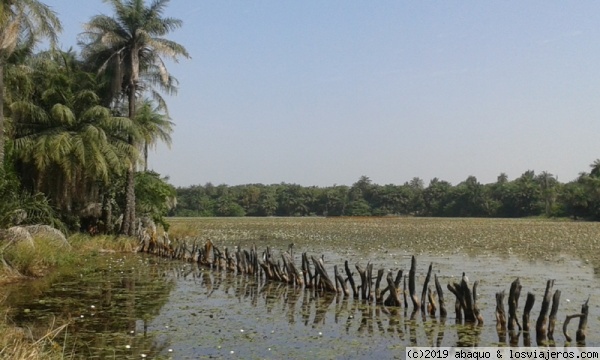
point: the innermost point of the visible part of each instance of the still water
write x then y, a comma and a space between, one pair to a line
135, 306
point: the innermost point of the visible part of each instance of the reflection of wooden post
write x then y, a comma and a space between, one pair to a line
476, 311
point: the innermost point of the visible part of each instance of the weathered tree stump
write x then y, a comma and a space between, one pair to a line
513, 304
425, 287
324, 279
581, 329
440, 294
527, 310
466, 301
378, 294
540, 326
500, 312
294, 273
393, 298
340, 283
552, 317
412, 284
306, 272
350, 279
405, 293
431, 306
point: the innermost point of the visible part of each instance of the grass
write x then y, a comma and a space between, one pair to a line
18, 343
23, 260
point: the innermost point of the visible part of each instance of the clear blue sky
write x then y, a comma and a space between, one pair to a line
321, 92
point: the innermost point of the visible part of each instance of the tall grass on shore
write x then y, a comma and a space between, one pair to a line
19, 343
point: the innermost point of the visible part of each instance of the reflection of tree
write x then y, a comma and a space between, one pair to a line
104, 307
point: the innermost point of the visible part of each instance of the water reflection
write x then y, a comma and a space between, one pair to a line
108, 306
312, 308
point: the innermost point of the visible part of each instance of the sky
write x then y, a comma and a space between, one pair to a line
320, 93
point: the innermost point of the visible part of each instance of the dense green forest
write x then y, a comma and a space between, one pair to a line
75, 127
529, 195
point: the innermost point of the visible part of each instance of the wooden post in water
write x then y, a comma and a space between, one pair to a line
513, 304
393, 298
540, 326
424, 292
529, 302
552, 317
500, 312
363, 281
341, 284
440, 294
412, 284
350, 279
581, 329
378, 295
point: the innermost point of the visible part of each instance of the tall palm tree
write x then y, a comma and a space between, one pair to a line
128, 44
22, 21
154, 125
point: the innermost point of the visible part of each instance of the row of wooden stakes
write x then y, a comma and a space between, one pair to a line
396, 291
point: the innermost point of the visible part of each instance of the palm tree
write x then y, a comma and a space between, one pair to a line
128, 45
154, 125
21, 21
547, 183
65, 141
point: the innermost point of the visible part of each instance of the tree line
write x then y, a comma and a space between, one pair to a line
529, 195
76, 126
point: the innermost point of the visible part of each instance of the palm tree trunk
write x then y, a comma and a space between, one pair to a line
145, 156
128, 227
2, 139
